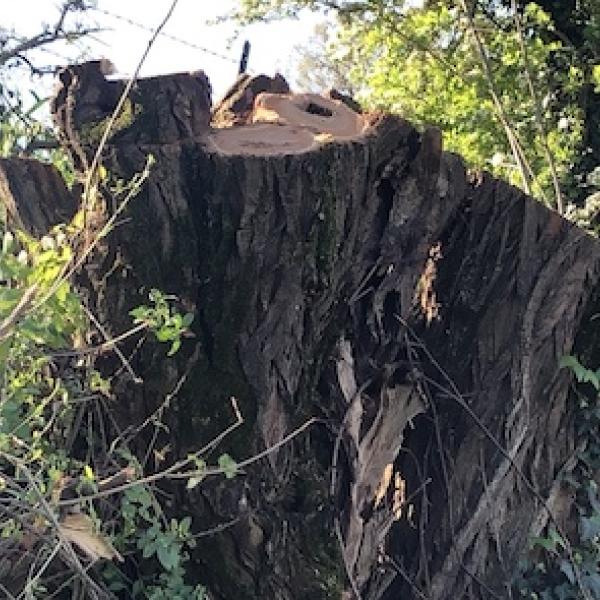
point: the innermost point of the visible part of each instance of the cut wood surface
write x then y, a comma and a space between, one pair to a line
340, 266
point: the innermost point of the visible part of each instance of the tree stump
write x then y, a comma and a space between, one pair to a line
342, 266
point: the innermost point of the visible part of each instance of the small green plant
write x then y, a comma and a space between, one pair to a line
166, 324
552, 575
48, 378
143, 521
29, 331
582, 374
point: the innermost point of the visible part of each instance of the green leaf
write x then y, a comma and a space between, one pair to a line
184, 526
591, 377
164, 334
569, 361
193, 482
582, 374
9, 298
140, 313
567, 568
149, 549
199, 463
62, 291
589, 527
174, 347
168, 556
78, 220
137, 587
544, 542
596, 77
139, 494
187, 320
228, 466
88, 473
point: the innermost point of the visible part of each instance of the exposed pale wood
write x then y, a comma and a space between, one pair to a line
238, 102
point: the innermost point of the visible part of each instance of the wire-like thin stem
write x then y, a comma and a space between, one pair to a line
539, 118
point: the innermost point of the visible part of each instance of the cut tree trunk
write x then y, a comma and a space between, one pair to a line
343, 267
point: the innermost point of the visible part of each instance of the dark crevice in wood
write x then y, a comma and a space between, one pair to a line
314, 109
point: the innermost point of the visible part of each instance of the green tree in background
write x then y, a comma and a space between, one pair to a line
511, 84
323, 62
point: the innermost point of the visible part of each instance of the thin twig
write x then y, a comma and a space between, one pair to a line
31, 582
216, 529
117, 111
405, 576
539, 119
93, 587
110, 344
70, 269
504, 119
23, 306
157, 414
446, 479
5, 590
108, 339
347, 567
171, 472
42, 39
92, 171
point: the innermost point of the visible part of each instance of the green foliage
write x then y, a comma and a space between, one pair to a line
42, 325
582, 374
52, 467
325, 63
166, 542
33, 322
19, 124
254, 10
167, 325
25, 130
92, 133
549, 573
228, 466
588, 215
425, 68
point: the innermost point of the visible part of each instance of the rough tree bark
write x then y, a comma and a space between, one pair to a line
344, 267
